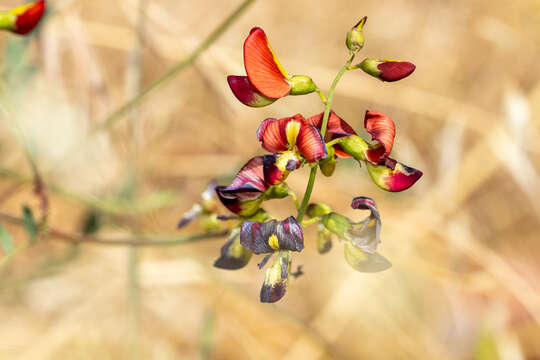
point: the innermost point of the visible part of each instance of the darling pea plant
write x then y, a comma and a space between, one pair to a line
318, 142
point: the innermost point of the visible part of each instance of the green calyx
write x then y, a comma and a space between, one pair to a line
301, 85
370, 66
7, 21
328, 164
279, 191
336, 223
355, 146
317, 209
355, 36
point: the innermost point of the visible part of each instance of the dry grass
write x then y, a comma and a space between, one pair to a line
464, 240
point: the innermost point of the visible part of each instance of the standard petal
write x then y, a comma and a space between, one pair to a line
246, 92
233, 254
269, 133
395, 70
242, 196
363, 261
262, 67
393, 176
311, 144
270, 236
28, 16
276, 279
382, 129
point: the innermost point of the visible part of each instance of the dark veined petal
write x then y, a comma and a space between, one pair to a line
363, 261
262, 67
246, 92
382, 129
278, 166
336, 128
270, 236
242, 196
277, 278
393, 176
277, 135
311, 144
233, 254
366, 233
27, 17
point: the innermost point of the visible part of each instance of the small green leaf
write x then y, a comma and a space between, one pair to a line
29, 223
6, 240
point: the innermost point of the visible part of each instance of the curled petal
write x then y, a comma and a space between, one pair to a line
276, 279
27, 17
363, 261
382, 129
262, 67
246, 92
270, 236
242, 196
233, 254
311, 144
393, 176
366, 233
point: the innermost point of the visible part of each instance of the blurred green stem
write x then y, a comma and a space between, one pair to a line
175, 70
328, 106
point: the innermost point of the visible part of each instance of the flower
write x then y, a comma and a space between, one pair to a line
233, 254
386, 69
292, 134
261, 178
266, 80
361, 238
23, 19
385, 172
270, 236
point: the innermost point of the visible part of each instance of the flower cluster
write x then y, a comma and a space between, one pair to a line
318, 141
23, 19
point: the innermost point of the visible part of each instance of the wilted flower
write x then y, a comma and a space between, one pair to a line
266, 80
23, 19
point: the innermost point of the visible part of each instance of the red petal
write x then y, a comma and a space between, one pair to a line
395, 70
262, 68
337, 127
311, 144
28, 20
393, 176
382, 129
273, 133
246, 92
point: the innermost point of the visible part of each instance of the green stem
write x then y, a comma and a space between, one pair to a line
328, 106
210, 39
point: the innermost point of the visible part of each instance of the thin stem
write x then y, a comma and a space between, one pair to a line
334, 142
328, 106
210, 39
145, 240
321, 95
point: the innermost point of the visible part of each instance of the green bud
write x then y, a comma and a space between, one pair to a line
301, 85
355, 37
277, 191
328, 164
317, 209
337, 224
355, 146
370, 66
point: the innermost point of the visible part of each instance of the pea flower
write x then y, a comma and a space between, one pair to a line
386, 69
261, 178
266, 79
361, 239
292, 134
23, 19
273, 237
385, 172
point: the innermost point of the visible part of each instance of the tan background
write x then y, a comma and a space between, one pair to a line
464, 240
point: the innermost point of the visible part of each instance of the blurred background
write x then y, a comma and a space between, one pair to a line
463, 241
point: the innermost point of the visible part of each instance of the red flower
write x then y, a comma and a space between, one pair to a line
387, 70
266, 80
336, 128
294, 134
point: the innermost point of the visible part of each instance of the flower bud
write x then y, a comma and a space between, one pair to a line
355, 37
355, 146
387, 70
301, 85
23, 19
328, 165
317, 209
